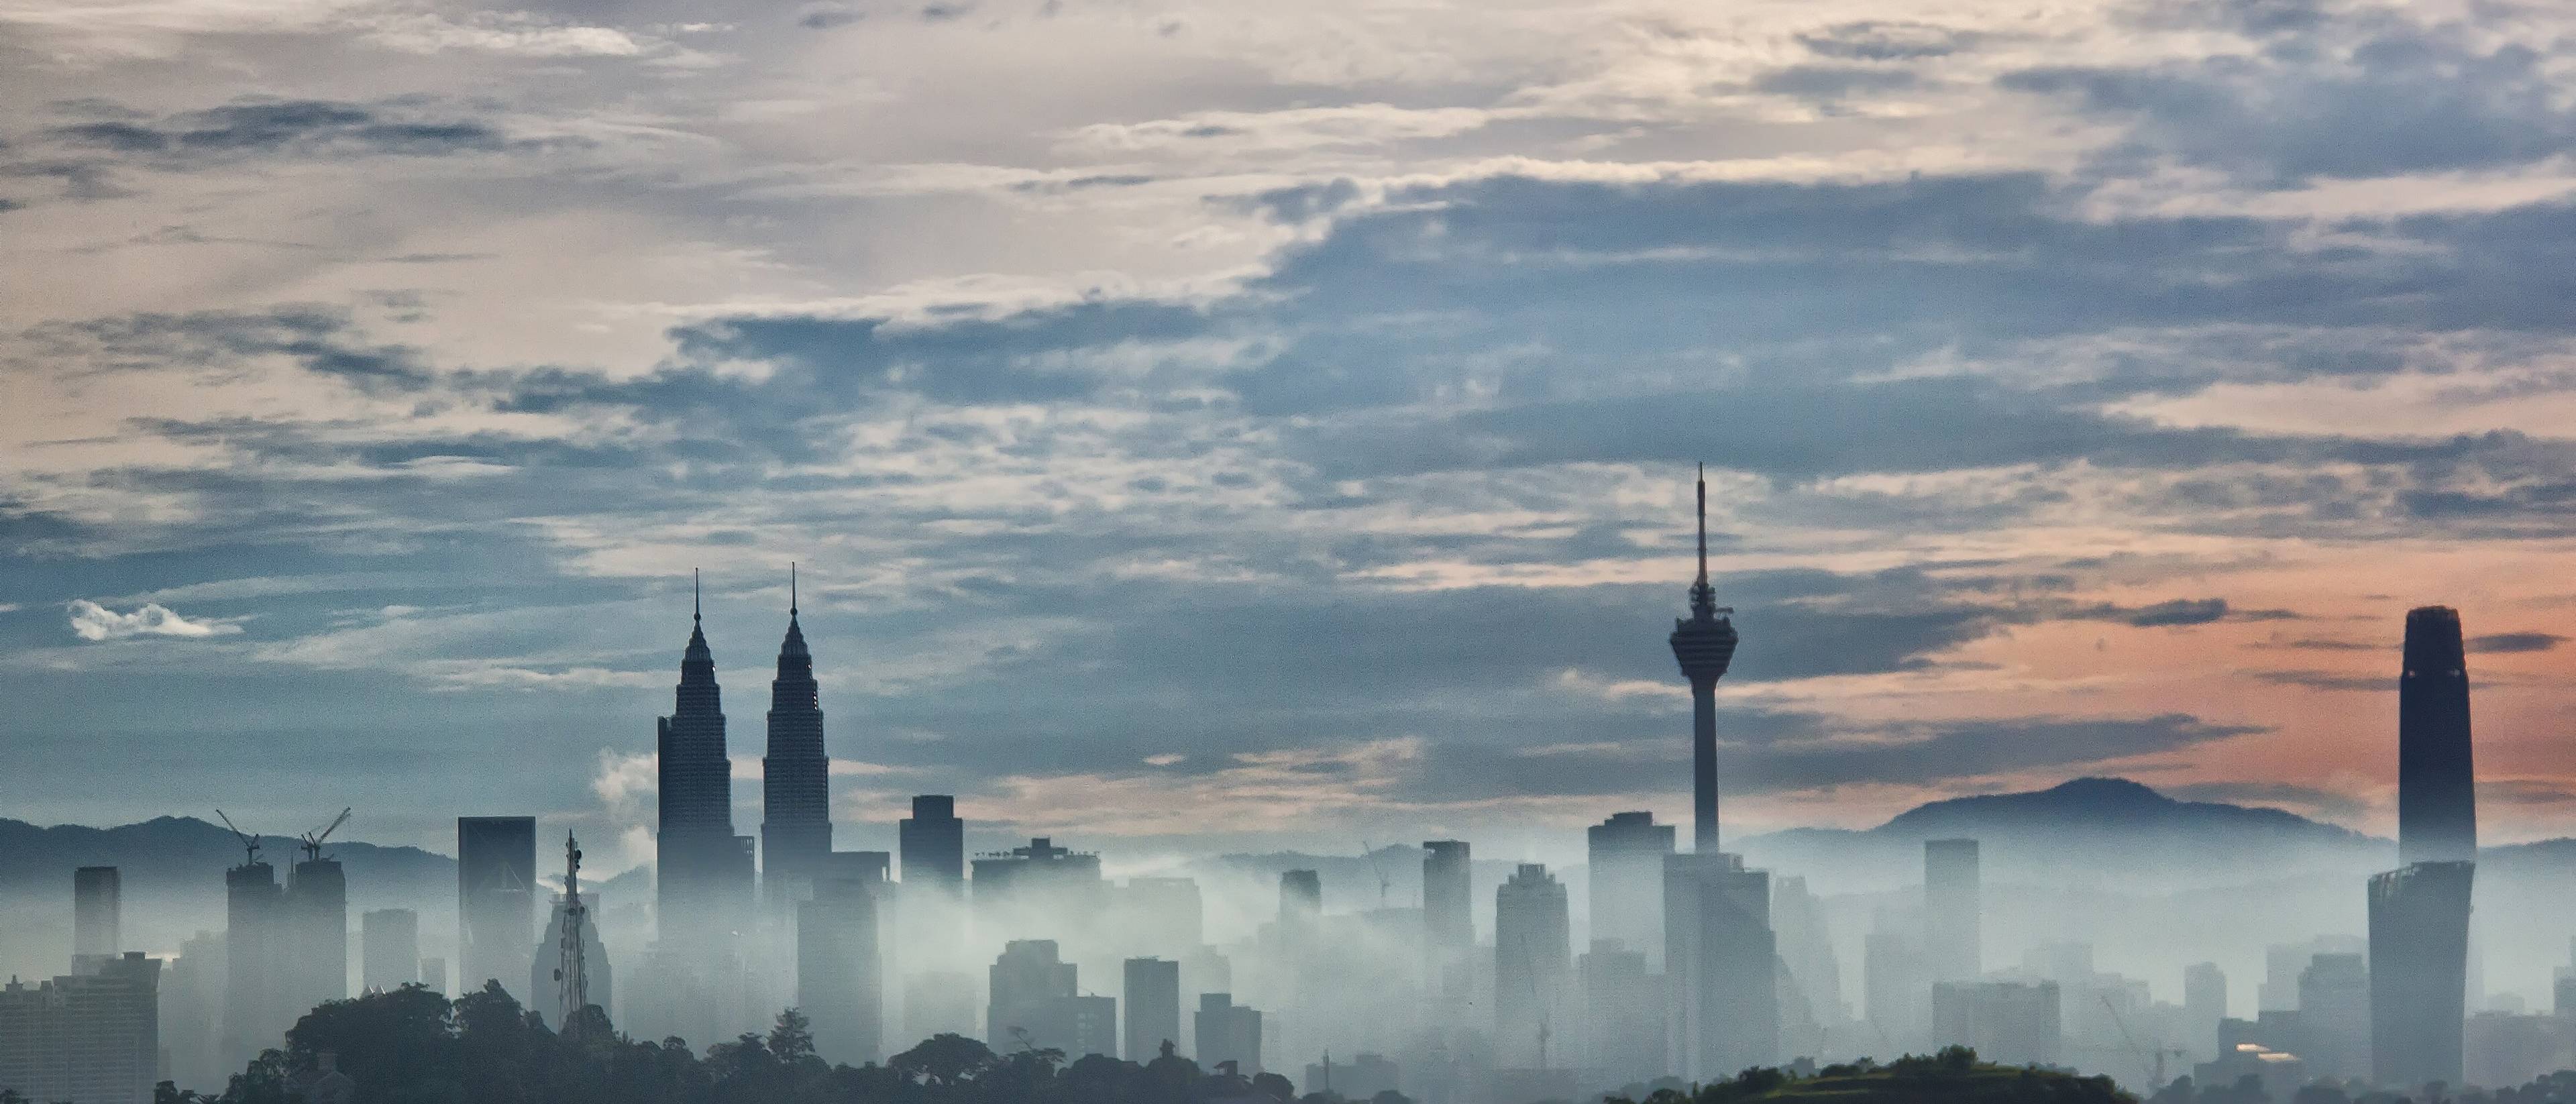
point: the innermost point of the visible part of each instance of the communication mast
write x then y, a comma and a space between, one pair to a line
572, 975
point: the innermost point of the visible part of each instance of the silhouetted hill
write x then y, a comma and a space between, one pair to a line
2086, 831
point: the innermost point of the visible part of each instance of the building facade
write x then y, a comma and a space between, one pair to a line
795, 776
496, 900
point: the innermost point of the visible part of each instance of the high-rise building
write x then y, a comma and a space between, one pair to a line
1704, 643
795, 775
2204, 1004
92, 1038
1720, 956
433, 974
1448, 926
1896, 990
2006, 1022
1532, 963
933, 843
2419, 950
1016, 890
192, 1002
702, 872
1951, 904
1623, 1020
1153, 1000
317, 908
1228, 1032
2437, 812
2419, 913
496, 900
255, 935
96, 917
1813, 1014
840, 964
1026, 976
1078, 1025
2282, 965
388, 949
1626, 855
2334, 1016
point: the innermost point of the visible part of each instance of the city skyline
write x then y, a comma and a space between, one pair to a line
1157, 399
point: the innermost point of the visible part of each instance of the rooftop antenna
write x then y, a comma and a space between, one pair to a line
1703, 524
791, 588
697, 608
313, 840
249, 842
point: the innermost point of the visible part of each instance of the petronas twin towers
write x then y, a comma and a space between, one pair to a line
704, 869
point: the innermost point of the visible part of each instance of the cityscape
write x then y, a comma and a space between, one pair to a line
1699, 966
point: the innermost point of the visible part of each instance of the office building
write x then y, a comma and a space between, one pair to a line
192, 1008
1719, 959
1448, 927
1228, 1032
2334, 1016
1532, 964
933, 843
1626, 857
1623, 1022
2284, 962
1896, 988
433, 975
255, 936
2204, 1003
496, 900
795, 782
388, 949
2419, 913
1704, 643
316, 959
92, 1038
1078, 1025
702, 870
1024, 889
1153, 1000
1952, 900
2008, 1023
1301, 898
1021, 982
97, 917
840, 963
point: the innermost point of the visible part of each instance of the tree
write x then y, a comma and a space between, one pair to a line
946, 1059
1274, 1086
792, 1038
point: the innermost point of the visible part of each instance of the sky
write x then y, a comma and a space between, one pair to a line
1239, 425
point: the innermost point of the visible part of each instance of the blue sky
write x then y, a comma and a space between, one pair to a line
1273, 425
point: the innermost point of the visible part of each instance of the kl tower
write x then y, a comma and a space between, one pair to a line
1703, 643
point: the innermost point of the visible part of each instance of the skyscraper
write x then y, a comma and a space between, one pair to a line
933, 845
317, 908
700, 871
840, 965
1626, 854
1721, 957
388, 949
1623, 1018
2437, 812
1227, 1032
1951, 904
1023, 980
795, 792
1532, 960
1301, 898
92, 1038
2204, 1003
2419, 913
1704, 643
97, 919
2334, 1016
1153, 1000
1448, 928
254, 937
496, 900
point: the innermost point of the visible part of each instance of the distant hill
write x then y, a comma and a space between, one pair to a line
2096, 831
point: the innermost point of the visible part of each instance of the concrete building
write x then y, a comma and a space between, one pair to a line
1952, 904
2006, 1022
2204, 1003
1020, 983
255, 935
1301, 898
1080, 1026
192, 1004
1025, 888
795, 782
388, 949
92, 1038
702, 870
1533, 960
1719, 959
1623, 1015
840, 963
1227, 1032
2510, 1049
496, 900
2284, 962
97, 917
316, 959
433, 974
1626, 858
1448, 928
1153, 1000
1896, 990
933, 845
2334, 1016
2419, 913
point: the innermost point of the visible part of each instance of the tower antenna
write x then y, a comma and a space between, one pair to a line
697, 608
572, 972
791, 588
1703, 524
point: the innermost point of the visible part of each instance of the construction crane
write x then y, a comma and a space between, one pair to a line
2155, 1069
249, 842
313, 840
1370, 853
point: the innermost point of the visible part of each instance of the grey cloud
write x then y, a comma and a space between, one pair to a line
321, 339
1874, 40
1833, 82
2507, 643
282, 128
2327, 680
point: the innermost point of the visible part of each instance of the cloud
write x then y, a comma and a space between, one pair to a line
2506, 643
91, 621
303, 128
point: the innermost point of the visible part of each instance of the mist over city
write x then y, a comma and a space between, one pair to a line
1183, 552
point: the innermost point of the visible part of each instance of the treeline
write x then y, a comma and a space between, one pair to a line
2556, 1088
412, 1046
